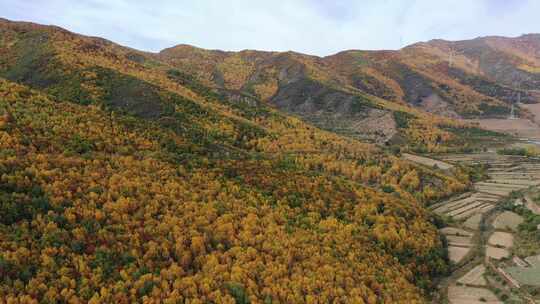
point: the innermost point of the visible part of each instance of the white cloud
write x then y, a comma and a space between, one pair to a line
310, 26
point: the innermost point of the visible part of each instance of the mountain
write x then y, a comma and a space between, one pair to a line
495, 67
477, 78
128, 176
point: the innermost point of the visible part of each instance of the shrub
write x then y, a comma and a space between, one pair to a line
79, 145
238, 292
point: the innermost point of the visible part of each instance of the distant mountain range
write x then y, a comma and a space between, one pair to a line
471, 78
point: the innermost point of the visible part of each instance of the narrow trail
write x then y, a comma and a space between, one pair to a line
475, 243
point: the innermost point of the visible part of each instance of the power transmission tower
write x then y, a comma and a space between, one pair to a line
512, 110
451, 56
512, 113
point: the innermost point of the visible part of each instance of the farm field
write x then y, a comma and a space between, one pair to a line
480, 234
507, 220
526, 275
475, 276
471, 295
473, 222
501, 239
426, 161
522, 128
497, 253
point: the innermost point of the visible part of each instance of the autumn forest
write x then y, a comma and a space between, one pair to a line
130, 177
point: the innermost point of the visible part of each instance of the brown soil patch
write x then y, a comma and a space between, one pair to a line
507, 220
461, 241
426, 161
475, 276
503, 239
497, 253
456, 254
471, 295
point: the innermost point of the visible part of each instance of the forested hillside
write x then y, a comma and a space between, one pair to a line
124, 179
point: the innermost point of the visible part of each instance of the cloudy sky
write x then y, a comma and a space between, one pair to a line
319, 27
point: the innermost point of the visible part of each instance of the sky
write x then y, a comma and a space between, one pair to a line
318, 27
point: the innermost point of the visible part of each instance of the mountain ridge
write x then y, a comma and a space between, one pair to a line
460, 80
185, 45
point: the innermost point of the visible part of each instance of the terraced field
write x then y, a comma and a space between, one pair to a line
507, 221
480, 235
427, 161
